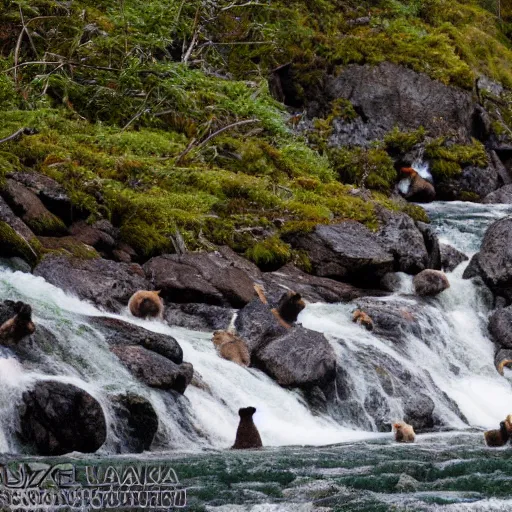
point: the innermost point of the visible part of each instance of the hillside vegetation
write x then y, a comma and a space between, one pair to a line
157, 114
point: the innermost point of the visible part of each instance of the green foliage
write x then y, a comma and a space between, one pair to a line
398, 142
448, 159
364, 167
269, 254
13, 244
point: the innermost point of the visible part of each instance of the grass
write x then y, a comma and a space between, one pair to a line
139, 107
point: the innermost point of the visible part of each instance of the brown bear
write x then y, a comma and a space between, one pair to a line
498, 437
404, 433
289, 306
231, 347
363, 319
19, 326
420, 190
247, 435
144, 304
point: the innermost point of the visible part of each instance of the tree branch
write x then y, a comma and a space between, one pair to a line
19, 133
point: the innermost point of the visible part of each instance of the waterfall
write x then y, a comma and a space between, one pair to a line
451, 356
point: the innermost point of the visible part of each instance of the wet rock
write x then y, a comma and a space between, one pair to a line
388, 95
16, 238
503, 359
312, 288
432, 245
26, 205
347, 251
199, 317
451, 258
430, 282
117, 332
107, 284
200, 277
400, 236
392, 319
299, 358
500, 327
477, 181
494, 261
257, 325
153, 369
501, 196
390, 282
58, 418
53, 195
137, 422
419, 411
378, 409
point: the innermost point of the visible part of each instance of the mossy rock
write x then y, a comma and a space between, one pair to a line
13, 244
270, 254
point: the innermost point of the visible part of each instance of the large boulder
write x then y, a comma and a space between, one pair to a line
451, 258
26, 205
199, 317
400, 236
419, 411
136, 422
494, 261
475, 181
312, 288
204, 277
432, 245
107, 284
257, 325
347, 251
16, 238
58, 418
53, 196
299, 358
117, 332
388, 95
430, 282
500, 327
153, 369
392, 319
501, 196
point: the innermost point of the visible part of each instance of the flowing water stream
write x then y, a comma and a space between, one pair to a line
450, 356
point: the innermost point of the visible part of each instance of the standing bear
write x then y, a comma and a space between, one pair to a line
231, 347
146, 304
247, 435
404, 433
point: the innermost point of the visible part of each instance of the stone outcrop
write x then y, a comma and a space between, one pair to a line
58, 418
451, 258
154, 370
200, 277
429, 283
105, 283
347, 251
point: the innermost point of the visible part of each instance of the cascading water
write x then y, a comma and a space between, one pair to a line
449, 355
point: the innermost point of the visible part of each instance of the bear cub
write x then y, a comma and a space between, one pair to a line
231, 347
146, 304
404, 433
247, 435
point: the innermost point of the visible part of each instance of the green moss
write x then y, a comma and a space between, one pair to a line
397, 141
46, 225
469, 196
372, 168
448, 160
145, 238
68, 246
270, 254
13, 244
